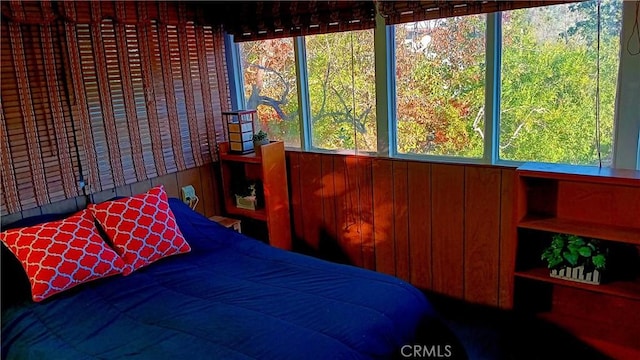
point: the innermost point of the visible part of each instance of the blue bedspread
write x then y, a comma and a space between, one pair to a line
232, 297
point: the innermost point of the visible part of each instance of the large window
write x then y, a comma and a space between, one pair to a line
549, 72
440, 86
509, 87
269, 73
342, 90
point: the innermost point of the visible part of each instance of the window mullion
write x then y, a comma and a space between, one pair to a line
235, 73
302, 80
492, 88
384, 48
626, 138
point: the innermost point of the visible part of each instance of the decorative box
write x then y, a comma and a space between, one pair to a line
240, 130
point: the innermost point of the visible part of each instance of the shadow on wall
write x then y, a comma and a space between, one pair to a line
332, 208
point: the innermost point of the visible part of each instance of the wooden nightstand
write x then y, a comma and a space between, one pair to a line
227, 222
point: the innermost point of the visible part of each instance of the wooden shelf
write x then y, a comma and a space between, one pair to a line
252, 158
580, 173
258, 214
592, 202
267, 165
588, 229
607, 338
625, 289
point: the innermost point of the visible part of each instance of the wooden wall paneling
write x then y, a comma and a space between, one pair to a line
507, 249
311, 198
351, 220
103, 196
383, 223
124, 190
31, 212
447, 229
140, 187
346, 209
366, 226
64, 206
295, 198
481, 234
209, 189
10, 218
329, 242
401, 218
170, 183
81, 202
191, 177
419, 208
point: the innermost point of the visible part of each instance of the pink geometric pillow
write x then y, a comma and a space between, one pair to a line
62, 254
142, 228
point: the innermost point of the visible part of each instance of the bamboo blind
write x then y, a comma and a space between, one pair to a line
256, 20
143, 84
396, 12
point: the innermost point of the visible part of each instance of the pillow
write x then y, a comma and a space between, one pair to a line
142, 228
60, 255
14, 282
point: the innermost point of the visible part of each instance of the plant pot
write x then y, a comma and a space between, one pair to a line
577, 274
258, 143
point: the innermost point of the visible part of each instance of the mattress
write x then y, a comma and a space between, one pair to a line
231, 297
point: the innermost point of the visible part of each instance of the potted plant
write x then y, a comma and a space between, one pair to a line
260, 138
574, 258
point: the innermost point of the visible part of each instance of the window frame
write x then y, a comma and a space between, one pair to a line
626, 152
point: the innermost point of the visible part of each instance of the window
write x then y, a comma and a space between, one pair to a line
440, 86
548, 99
342, 94
507, 87
269, 71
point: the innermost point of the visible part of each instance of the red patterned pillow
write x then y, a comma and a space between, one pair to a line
62, 254
142, 228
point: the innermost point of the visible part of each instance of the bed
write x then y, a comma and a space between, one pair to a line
229, 297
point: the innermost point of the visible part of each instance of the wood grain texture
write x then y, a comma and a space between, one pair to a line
210, 196
366, 220
140, 187
482, 234
599, 204
311, 196
383, 222
330, 246
401, 194
295, 198
170, 183
507, 239
447, 224
419, 207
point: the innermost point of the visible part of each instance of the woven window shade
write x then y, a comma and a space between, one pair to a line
142, 84
256, 20
396, 12
38, 158
148, 107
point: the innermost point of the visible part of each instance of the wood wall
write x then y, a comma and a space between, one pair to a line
442, 227
204, 179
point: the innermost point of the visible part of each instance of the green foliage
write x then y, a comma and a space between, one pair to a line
260, 136
547, 80
572, 251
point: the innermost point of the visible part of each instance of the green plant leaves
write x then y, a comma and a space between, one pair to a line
573, 250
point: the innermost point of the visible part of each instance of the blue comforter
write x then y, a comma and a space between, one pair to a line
231, 297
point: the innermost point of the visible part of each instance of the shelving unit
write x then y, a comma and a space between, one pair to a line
595, 203
268, 165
